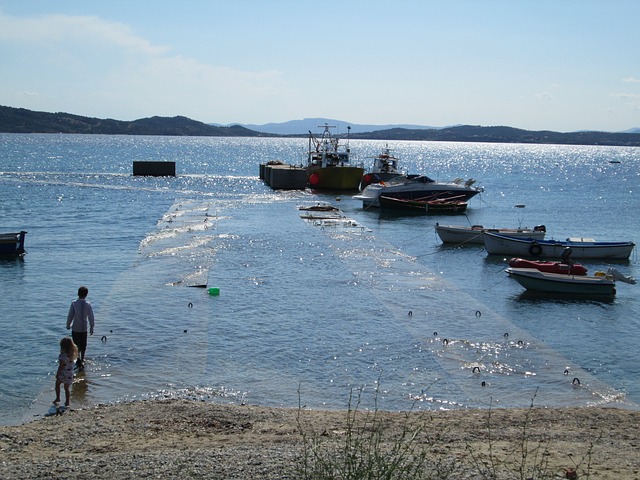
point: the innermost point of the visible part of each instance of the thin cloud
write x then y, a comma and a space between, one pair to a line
626, 95
544, 96
133, 76
631, 80
57, 29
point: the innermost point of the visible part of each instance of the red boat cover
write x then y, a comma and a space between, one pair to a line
550, 267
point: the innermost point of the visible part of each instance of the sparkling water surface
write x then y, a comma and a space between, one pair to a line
307, 310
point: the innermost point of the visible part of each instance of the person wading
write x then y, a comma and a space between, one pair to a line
80, 320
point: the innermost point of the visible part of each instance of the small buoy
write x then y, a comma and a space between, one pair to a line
566, 372
104, 338
483, 384
506, 335
410, 313
478, 313
214, 291
435, 334
110, 331
576, 381
476, 370
190, 305
520, 342
184, 331
445, 342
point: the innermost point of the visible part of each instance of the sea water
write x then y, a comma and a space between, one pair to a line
306, 312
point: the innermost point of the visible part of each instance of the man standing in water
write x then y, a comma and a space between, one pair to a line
80, 317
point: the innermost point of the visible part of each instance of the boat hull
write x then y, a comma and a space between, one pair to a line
334, 178
461, 234
558, 283
12, 244
520, 247
414, 206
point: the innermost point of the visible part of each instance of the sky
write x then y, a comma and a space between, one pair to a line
562, 65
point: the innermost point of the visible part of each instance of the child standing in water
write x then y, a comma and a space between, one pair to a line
64, 375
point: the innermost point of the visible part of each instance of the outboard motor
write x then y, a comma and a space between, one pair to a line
615, 273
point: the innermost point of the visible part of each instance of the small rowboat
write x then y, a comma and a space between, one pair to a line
442, 206
602, 283
545, 282
12, 244
462, 234
549, 267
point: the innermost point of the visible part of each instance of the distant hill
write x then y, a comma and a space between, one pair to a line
20, 120
473, 133
302, 127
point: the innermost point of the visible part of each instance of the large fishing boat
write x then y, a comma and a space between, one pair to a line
329, 164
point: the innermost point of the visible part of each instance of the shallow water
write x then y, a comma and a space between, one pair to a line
307, 310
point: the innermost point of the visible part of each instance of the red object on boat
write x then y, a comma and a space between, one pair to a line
314, 179
550, 267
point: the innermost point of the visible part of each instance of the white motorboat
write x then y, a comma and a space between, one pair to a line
417, 187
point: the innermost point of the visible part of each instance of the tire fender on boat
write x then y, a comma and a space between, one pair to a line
535, 249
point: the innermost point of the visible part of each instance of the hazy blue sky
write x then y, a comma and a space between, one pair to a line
542, 64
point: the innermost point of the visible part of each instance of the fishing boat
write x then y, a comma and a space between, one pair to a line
461, 234
549, 267
417, 187
496, 244
599, 284
442, 207
384, 168
328, 163
12, 244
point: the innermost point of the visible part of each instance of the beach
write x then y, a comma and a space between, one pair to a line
187, 438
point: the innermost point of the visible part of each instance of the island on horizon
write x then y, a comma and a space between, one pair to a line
20, 120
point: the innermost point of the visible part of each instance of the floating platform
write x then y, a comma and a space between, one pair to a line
282, 176
154, 169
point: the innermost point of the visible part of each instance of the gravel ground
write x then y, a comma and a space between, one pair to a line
192, 439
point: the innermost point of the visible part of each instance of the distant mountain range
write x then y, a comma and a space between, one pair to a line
20, 120
304, 126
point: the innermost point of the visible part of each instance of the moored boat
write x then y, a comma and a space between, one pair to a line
443, 207
417, 187
384, 168
461, 234
328, 163
546, 282
496, 244
549, 267
12, 244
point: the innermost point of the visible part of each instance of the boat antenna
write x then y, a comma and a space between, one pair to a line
519, 206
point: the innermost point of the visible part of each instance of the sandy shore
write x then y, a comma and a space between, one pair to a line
190, 439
